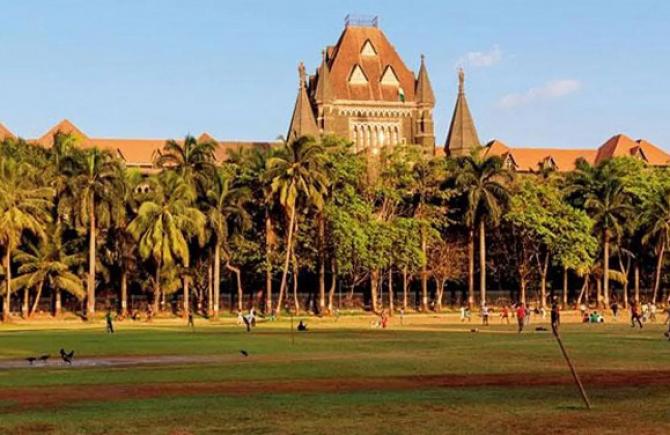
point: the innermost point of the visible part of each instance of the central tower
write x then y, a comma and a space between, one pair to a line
363, 91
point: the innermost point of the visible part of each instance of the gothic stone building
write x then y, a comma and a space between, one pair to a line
363, 91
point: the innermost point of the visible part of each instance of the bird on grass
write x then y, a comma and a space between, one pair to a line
43, 358
244, 352
541, 329
31, 360
474, 330
67, 357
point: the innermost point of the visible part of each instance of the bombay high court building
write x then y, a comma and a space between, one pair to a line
363, 91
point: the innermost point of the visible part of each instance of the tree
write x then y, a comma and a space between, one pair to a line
447, 261
656, 221
24, 208
190, 158
164, 226
48, 264
481, 183
225, 209
98, 186
296, 175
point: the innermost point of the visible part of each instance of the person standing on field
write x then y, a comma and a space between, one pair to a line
521, 316
635, 314
615, 309
485, 314
108, 319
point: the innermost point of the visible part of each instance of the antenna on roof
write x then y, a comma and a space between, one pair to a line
361, 20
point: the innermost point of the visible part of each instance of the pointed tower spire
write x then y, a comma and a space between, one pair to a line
302, 121
424, 91
462, 137
324, 92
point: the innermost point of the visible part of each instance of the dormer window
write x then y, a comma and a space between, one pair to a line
548, 164
509, 162
357, 76
389, 78
368, 49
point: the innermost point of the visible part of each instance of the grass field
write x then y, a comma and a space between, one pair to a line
430, 375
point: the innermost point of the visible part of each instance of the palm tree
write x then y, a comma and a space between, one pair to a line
481, 182
24, 207
164, 226
609, 207
225, 207
48, 265
297, 175
656, 220
98, 186
190, 158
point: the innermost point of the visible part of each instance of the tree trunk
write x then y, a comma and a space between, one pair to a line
124, 292
637, 283
599, 292
657, 276
8, 280
268, 263
90, 290
374, 285
471, 268
439, 293
482, 261
322, 265
584, 287
58, 305
37, 299
238, 279
424, 273
522, 283
543, 280
210, 286
187, 294
157, 288
26, 303
333, 284
565, 287
605, 301
289, 248
217, 281
404, 288
296, 271
391, 295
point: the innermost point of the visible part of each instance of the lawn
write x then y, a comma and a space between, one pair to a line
429, 375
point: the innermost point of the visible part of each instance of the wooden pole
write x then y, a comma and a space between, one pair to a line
572, 367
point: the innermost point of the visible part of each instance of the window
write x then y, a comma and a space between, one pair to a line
357, 76
389, 78
368, 49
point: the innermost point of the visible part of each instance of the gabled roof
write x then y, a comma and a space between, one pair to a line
64, 127
462, 136
206, 137
424, 91
621, 145
654, 155
532, 159
5, 133
347, 53
303, 122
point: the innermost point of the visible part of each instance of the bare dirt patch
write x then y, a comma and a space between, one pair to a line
58, 396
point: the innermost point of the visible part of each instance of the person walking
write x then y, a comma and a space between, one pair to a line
652, 311
190, 320
635, 314
485, 314
108, 319
521, 316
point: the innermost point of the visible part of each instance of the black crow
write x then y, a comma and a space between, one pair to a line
43, 358
31, 360
67, 357
244, 352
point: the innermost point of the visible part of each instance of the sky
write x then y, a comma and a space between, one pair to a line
566, 74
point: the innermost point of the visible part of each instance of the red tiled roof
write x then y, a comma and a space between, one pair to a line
531, 159
347, 54
5, 133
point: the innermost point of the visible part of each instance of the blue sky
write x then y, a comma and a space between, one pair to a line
550, 74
